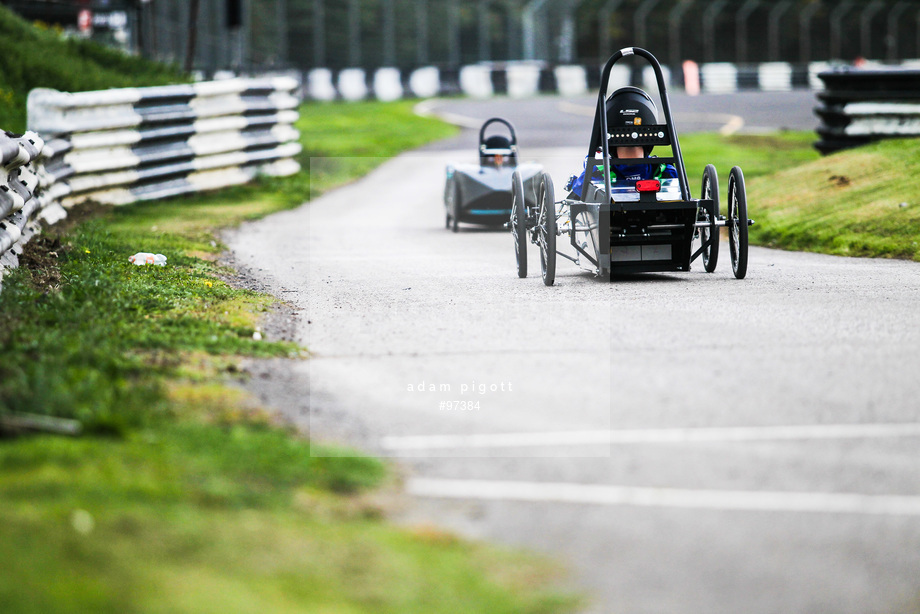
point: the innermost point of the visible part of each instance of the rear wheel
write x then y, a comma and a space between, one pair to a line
710, 191
737, 223
546, 230
519, 223
454, 226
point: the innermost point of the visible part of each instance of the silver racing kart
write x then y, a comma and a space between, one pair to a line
481, 193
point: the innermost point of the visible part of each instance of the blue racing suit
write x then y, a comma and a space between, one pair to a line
627, 173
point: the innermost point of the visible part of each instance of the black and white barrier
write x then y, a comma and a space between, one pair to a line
18, 183
524, 79
861, 106
125, 145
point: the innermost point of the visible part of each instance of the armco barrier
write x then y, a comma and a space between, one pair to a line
861, 106
18, 182
125, 145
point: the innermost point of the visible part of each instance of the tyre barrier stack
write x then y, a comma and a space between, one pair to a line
125, 145
18, 183
862, 106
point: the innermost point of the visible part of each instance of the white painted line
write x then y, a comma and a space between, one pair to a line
733, 125
427, 108
640, 436
722, 500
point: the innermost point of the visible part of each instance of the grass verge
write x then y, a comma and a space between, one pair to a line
860, 202
759, 155
182, 495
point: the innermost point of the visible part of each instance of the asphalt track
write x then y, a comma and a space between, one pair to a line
685, 443
547, 122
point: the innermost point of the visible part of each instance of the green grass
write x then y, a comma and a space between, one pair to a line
237, 518
91, 333
757, 155
183, 494
861, 202
37, 56
359, 137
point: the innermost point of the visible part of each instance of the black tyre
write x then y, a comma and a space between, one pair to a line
737, 223
454, 226
519, 223
710, 190
546, 230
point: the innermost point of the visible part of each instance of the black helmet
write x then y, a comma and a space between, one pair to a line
496, 150
630, 106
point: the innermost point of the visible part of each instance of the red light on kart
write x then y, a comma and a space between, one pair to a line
648, 185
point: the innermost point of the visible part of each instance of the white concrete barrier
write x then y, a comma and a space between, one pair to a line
775, 76
353, 84
571, 80
523, 80
476, 81
719, 77
320, 86
387, 84
425, 82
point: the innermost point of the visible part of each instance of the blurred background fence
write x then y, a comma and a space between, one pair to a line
260, 35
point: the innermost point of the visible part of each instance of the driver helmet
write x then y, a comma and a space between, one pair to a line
631, 106
496, 151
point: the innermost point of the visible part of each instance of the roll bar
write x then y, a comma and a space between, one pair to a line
496, 120
600, 131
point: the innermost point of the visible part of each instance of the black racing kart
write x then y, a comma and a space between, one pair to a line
640, 227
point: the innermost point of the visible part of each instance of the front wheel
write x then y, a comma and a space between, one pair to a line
737, 223
519, 223
546, 230
710, 191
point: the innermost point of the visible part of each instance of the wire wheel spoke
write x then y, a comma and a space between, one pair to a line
709, 235
545, 231
738, 223
519, 223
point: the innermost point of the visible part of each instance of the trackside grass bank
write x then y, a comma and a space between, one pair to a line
758, 155
33, 57
861, 202
181, 494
